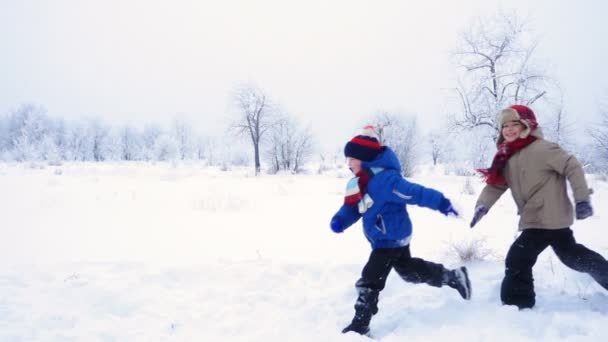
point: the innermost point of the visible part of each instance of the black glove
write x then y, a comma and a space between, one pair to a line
480, 211
583, 210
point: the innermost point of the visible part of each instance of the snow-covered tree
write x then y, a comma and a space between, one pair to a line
79, 141
166, 148
99, 138
131, 144
184, 136
437, 145
558, 128
599, 133
290, 146
150, 134
28, 127
496, 68
400, 132
49, 150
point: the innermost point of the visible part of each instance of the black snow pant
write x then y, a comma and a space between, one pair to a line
375, 273
518, 285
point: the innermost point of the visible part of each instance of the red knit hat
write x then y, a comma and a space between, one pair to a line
365, 146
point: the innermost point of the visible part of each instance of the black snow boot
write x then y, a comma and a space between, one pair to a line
459, 279
360, 323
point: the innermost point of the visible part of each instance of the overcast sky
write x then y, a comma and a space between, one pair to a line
329, 63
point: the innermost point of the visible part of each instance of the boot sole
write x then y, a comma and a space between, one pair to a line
468, 289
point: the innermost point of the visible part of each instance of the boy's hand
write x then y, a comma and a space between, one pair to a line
336, 226
446, 208
480, 212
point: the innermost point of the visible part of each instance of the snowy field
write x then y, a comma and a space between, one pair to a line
161, 252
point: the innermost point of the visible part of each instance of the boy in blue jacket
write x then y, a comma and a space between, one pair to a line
379, 195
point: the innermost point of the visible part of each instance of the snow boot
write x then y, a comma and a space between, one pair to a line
459, 279
360, 323
359, 329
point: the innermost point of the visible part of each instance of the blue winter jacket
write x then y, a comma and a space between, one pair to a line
386, 223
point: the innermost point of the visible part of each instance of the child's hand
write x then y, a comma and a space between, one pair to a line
336, 226
583, 210
480, 211
446, 208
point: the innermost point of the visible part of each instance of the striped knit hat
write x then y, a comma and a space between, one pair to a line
365, 146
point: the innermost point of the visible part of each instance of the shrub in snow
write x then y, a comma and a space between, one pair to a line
323, 168
35, 166
459, 170
226, 167
469, 250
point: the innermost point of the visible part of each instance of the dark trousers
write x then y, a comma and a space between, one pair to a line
518, 285
375, 272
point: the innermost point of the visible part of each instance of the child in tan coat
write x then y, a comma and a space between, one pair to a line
536, 171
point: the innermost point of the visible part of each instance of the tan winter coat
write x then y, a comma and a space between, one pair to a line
537, 177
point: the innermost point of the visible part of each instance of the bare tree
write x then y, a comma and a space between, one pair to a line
303, 148
166, 148
559, 129
99, 132
290, 146
382, 121
183, 135
131, 145
599, 134
254, 116
401, 134
496, 69
150, 134
436, 142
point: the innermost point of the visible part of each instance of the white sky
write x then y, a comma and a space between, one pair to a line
330, 63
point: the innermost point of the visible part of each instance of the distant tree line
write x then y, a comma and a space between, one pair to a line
30, 134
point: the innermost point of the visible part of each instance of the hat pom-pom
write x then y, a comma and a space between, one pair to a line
370, 131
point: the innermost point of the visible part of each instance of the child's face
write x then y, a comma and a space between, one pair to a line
512, 130
353, 164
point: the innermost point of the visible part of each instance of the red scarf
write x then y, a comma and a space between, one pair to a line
494, 175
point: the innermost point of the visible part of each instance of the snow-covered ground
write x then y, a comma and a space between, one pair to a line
161, 252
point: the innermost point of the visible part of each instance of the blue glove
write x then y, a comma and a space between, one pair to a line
480, 212
583, 210
336, 226
446, 208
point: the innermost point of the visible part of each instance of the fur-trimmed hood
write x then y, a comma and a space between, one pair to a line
525, 116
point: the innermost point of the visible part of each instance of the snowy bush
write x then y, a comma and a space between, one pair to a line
323, 167
460, 170
469, 250
226, 167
